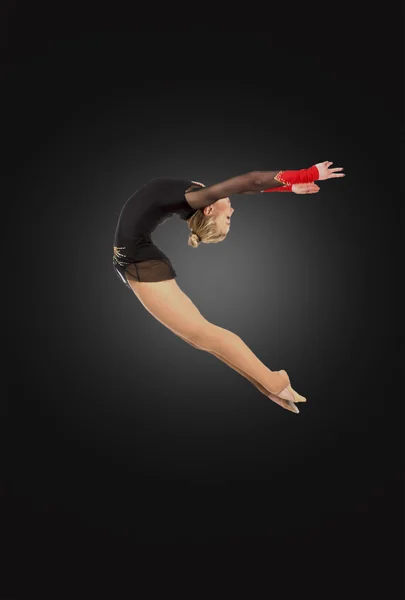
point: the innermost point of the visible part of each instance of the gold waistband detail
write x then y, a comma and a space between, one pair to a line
118, 256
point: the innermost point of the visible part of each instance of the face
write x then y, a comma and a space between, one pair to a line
222, 211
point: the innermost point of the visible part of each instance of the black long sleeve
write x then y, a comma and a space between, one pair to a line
252, 182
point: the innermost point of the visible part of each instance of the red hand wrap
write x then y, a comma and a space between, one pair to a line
288, 178
282, 188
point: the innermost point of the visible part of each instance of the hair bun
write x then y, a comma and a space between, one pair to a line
194, 239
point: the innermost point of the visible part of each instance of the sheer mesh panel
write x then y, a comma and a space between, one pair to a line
150, 270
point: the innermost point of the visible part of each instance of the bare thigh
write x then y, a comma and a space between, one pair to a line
167, 302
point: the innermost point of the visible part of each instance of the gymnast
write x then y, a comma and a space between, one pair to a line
149, 273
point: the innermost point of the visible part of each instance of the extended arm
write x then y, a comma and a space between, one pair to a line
253, 182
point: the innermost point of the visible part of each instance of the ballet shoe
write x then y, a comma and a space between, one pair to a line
291, 406
283, 380
287, 404
289, 394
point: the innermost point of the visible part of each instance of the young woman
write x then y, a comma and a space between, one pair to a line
149, 273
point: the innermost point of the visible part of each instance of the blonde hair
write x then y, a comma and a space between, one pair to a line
203, 229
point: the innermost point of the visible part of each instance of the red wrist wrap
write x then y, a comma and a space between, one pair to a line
288, 178
281, 188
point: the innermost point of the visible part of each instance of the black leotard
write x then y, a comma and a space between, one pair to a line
135, 256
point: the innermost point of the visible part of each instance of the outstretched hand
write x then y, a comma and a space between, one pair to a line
326, 173
305, 188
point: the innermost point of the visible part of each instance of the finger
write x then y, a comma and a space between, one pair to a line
338, 175
328, 162
336, 169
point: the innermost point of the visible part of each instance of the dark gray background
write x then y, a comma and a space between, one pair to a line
124, 438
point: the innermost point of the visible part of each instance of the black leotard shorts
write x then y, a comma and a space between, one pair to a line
135, 256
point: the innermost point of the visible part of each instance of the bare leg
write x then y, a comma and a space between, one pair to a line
230, 348
287, 404
253, 381
174, 309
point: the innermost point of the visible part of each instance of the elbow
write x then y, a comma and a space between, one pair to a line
256, 180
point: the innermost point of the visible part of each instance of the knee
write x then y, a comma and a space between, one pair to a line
203, 336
